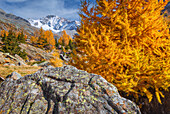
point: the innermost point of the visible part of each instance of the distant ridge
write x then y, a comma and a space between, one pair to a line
11, 21
2, 11
54, 23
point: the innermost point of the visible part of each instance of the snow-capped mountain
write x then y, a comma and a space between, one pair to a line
54, 23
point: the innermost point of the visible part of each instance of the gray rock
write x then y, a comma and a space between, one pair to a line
1, 53
64, 57
1, 79
44, 64
20, 60
17, 58
35, 53
6, 64
35, 65
6, 54
63, 90
50, 66
7, 59
12, 65
2, 60
14, 75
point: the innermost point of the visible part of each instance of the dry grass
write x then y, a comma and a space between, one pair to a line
23, 70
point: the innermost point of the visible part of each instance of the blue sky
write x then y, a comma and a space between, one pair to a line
41, 8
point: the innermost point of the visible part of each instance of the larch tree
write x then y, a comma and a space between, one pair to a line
50, 39
43, 39
4, 33
64, 39
127, 42
11, 43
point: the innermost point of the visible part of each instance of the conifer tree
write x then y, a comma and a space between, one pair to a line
43, 39
50, 39
126, 42
21, 37
3, 32
34, 40
11, 43
56, 44
64, 39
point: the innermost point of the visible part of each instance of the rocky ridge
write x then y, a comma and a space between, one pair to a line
10, 21
54, 23
34, 52
62, 90
7, 59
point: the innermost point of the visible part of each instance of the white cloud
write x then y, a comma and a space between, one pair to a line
41, 8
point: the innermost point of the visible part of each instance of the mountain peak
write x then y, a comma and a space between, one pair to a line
52, 16
54, 23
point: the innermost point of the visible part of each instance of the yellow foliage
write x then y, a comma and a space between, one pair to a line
18, 34
25, 37
33, 39
50, 38
64, 39
56, 61
43, 38
3, 32
126, 42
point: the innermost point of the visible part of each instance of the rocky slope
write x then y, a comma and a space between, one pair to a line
62, 90
8, 21
34, 55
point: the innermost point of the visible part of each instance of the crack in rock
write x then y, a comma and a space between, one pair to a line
24, 103
63, 90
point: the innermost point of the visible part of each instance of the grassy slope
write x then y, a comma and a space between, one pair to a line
23, 70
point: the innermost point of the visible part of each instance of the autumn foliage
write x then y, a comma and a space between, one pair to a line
66, 43
4, 33
11, 42
56, 61
43, 39
64, 39
127, 42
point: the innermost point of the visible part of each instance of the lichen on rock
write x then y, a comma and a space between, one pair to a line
62, 90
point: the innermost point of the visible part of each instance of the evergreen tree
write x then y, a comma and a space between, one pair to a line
43, 39
11, 43
71, 44
21, 37
56, 44
64, 39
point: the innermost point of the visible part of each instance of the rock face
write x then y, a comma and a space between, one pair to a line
62, 90
35, 53
7, 59
14, 75
12, 21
